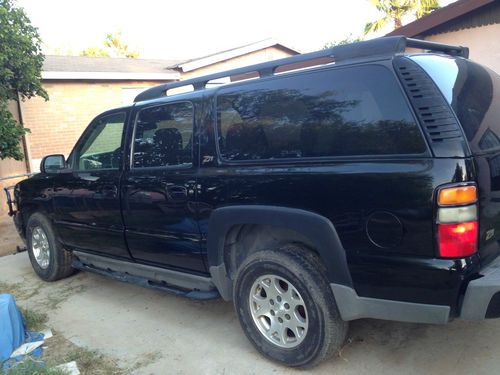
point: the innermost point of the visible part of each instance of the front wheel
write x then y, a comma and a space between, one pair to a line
286, 307
49, 259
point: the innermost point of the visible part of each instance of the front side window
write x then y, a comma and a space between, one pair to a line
101, 147
340, 112
164, 136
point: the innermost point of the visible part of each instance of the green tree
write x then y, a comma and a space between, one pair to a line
112, 46
94, 52
21, 62
424, 7
347, 40
118, 47
394, 11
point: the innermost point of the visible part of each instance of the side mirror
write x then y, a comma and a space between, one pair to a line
52, 163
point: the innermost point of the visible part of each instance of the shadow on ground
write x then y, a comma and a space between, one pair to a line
160, 332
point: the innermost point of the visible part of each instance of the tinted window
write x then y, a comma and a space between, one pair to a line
350, 111
164, 136
473, 91
101, 146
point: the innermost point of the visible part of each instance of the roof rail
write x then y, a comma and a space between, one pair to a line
438, 47
374, 47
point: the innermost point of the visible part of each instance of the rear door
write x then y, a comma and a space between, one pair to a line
473, 91
87, 200
159, 189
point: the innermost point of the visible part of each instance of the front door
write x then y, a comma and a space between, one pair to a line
159, 189
87, 201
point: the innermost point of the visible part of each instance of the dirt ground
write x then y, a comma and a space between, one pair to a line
148, 332
9, 239
128, 329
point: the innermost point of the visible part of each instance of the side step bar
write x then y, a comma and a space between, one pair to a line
174, 282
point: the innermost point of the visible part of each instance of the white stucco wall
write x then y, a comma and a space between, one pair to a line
483, 43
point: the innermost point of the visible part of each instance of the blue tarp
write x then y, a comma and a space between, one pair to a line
12, 333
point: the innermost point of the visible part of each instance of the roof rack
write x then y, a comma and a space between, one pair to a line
374, 47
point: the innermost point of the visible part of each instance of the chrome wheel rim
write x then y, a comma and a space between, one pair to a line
279, 311
40, 247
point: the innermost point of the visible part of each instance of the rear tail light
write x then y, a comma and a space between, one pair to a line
457, 195
457, 225
457, 240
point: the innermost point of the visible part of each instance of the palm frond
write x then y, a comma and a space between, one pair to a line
376, 25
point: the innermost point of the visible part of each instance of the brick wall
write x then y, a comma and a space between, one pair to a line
57, 124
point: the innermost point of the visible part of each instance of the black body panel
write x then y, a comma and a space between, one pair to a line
87, 212
159, 213
473, 92
370, 216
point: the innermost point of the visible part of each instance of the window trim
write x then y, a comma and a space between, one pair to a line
72, 155
314, 159
161, 167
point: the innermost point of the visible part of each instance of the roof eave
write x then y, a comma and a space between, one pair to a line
110, 76
439, 17
227, 55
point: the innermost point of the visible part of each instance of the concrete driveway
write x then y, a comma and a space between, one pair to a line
188, 337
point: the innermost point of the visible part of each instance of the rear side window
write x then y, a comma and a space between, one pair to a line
164, 136
473, 91
340, 112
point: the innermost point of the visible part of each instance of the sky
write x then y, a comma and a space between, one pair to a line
192, 28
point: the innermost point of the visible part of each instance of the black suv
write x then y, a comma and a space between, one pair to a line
355, 182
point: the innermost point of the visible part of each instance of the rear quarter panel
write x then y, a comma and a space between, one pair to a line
348, 193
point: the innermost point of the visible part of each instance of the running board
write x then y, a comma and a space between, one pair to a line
174, 282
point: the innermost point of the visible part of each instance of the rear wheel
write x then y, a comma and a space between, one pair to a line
49, 259
286, 307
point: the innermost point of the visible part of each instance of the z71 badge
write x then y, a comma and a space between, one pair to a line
207, 159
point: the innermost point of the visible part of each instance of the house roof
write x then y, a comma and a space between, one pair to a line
214, 58
435, 21
107, 68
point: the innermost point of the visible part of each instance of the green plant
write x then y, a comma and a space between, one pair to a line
31, 367
347, 40
93, 362
394, 11
112, 46
35, 321
21, 62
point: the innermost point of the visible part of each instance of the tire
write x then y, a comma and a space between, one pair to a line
53, 262
317, 330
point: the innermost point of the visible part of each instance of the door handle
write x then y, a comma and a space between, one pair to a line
110, 191
176, 193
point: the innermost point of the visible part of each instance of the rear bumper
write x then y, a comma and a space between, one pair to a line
351, 307
482, 296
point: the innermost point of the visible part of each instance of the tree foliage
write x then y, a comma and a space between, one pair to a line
116, 44
95, 52
21, 62
394, 11
347, 40
113, 46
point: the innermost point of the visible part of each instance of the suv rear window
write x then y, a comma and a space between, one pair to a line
336, 112
164, 136
473, 91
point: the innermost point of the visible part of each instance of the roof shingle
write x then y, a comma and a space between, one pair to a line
106, 64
